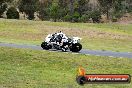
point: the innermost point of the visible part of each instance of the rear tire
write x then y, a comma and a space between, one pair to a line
45, 45
76, 47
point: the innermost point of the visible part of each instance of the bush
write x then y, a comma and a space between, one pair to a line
62, 13
114, 19
84, 18
42, 14
76, 17
96, 16
12, 13
116, 16
129, 9
67, 17
54, 12
31, 16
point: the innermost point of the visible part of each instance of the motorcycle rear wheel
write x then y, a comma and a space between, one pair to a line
45, 45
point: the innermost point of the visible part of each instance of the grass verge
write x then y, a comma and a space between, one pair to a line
114, 37
25, 68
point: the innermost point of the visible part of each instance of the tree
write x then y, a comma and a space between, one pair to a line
82, 6
12, 13
119, 8
71, 9
63, 8
54, 11
29, 7
63, 3
110, 6
44, 9
106, 5
128, 5
3, 6
96, 16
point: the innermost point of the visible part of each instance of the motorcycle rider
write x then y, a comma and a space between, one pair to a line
63, 40
56, 37
53, 37
60, 39
64, 44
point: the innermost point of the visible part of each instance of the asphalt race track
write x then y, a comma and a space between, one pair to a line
83, 51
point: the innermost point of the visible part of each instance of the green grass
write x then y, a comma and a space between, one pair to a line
107, 27
110, 36
25, 68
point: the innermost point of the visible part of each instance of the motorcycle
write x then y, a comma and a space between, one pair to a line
59, 41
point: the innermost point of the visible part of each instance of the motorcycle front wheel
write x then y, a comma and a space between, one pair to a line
76, 47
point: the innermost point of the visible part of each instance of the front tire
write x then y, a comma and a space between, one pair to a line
45, 45
76, 47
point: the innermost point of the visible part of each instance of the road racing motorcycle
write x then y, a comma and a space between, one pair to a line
60, 41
